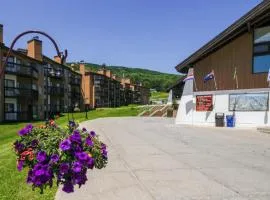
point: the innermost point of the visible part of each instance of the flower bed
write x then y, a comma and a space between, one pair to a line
64, 155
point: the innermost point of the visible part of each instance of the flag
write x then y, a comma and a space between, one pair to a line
268, 77
189, 77
209, 76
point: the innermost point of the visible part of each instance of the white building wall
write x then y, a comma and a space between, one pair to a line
187, 113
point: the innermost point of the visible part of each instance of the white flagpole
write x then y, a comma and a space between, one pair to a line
237, 82
215, 79
236, 77
268, 78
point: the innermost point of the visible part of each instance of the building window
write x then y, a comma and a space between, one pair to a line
9, 83
261, 50
9, 107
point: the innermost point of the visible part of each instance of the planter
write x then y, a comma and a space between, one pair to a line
53, 154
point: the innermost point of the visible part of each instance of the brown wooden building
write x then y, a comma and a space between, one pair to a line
244, 47
239, 57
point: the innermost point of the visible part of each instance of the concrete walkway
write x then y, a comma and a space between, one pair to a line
151, 158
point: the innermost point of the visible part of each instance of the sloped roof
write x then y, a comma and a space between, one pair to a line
254, 16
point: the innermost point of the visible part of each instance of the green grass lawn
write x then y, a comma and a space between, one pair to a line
12, 182
155, 96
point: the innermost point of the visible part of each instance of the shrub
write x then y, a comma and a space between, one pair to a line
53, 153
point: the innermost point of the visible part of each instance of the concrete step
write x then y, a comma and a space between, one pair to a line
264, 129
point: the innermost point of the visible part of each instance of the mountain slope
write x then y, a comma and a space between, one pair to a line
149, 78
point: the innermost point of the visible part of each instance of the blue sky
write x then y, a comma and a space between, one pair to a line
152, 34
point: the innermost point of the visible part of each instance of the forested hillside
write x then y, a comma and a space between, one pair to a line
149, 78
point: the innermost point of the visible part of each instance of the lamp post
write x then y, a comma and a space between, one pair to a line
86, 108
51, 71
47, 94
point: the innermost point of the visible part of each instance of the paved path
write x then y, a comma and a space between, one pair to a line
151, 158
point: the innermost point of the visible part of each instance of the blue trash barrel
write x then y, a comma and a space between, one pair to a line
230, 120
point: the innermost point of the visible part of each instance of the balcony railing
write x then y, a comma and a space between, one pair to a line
54, 73
17, 116
75, 81
75, 94
21, 92
56, 90
54, 108
21, 70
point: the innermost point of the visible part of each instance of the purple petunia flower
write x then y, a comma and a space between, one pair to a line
34, 143
65, 145
54, 158
23, 132
71, 123
39, 172
68, 187
29, 127
103, 146
18, 146
79, 179
41, 156
104, 153
64, 167
84, 129
81, 156
76, 137
77, 167
89, 142
93, 133
40, 175
90, 163
77, 148
20, 165
30, 177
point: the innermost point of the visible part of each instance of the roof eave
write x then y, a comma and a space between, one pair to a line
231, 32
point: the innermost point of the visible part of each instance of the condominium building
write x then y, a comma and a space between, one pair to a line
34, 86
103, 89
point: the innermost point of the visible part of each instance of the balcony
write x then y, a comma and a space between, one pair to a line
75, 94
22, 70
18, 116
54, 108
75, 81
56, 90
21, 92
54, 73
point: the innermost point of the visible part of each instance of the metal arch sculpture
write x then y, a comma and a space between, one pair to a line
60, 54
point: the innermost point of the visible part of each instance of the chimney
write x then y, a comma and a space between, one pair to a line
102, 71
82, 68
1, 34
114, 76
108, 73
126, 80
34, 48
